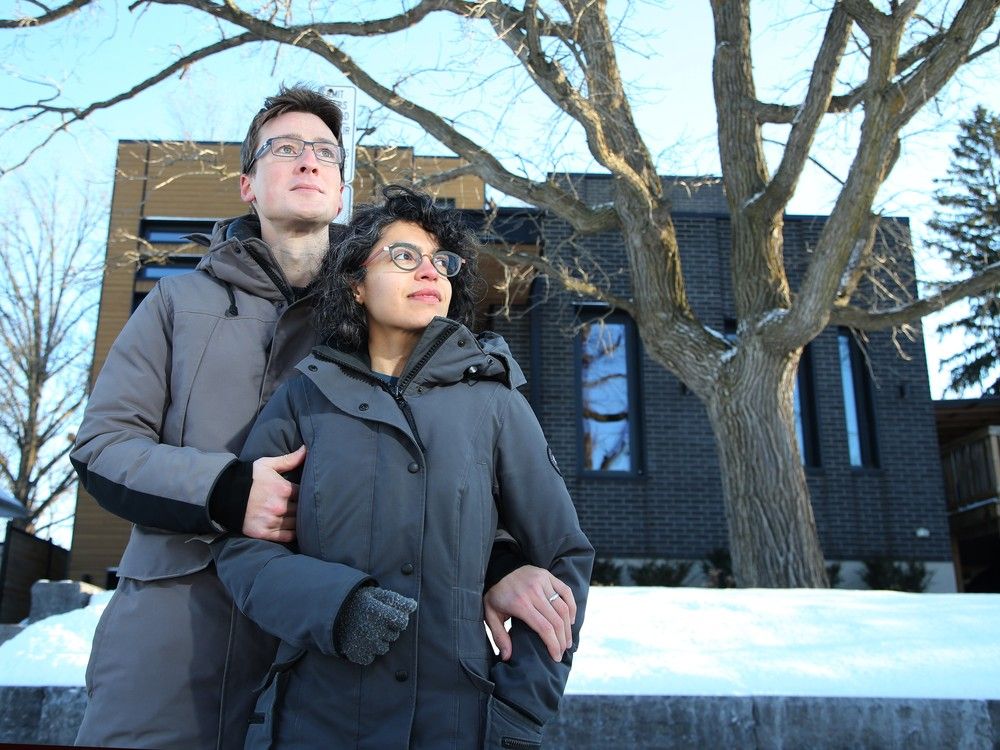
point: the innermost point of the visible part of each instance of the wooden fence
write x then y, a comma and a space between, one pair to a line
26, 559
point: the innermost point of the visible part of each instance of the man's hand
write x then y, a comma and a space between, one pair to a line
527, 594
271, 507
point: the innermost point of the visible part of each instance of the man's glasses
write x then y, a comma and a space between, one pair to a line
289, 147
407, 258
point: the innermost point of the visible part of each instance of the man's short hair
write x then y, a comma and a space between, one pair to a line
297, 98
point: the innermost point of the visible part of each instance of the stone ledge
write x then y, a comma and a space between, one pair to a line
41, 715
9, 630
50, 715
614, 722
56, 597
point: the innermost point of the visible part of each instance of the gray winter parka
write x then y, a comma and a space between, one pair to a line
168, 414
404, 487
179, 392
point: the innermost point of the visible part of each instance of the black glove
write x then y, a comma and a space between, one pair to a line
371, 621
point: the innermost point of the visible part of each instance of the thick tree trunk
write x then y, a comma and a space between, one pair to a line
772, 532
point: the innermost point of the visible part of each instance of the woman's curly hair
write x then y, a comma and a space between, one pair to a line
340, 320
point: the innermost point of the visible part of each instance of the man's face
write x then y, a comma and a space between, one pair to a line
293, 196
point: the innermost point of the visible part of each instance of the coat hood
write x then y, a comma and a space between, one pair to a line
239, 257
446, 353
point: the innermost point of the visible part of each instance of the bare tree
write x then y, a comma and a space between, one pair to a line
878, 62
49, 279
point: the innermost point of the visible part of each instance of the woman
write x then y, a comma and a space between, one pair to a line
417, 444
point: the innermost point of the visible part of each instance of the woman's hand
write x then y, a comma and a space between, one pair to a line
539, 600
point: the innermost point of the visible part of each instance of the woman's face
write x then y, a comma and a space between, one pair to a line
396, 300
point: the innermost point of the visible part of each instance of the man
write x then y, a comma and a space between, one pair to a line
173, 661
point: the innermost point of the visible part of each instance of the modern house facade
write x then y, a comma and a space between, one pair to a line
634, 445
866, 420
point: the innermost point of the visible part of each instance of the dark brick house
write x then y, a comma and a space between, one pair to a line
875, 494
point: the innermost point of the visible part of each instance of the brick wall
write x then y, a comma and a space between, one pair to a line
674, 508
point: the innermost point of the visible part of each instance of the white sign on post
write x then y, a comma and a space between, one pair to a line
346, 98
347, 206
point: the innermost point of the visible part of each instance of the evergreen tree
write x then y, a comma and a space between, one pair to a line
968, 229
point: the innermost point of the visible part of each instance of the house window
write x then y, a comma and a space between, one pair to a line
859, 413
174, 265
806, 427
172, 231
607, 367
150, 271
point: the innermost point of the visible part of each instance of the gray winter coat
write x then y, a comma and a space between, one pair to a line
169, 412
404, 487
179, 391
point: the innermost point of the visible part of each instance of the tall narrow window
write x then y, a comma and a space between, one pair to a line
607, 364
859, 414
806, 429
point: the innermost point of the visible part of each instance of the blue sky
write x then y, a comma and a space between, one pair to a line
665, 58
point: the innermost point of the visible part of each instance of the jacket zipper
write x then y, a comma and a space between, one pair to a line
397, 394
405, 408
514, 742
404, 382
274, 276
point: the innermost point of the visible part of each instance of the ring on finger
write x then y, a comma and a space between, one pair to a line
553, 597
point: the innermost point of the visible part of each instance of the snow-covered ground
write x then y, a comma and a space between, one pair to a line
691, 641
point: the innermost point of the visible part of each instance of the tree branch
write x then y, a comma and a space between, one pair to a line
562, 276
950, 53
439, 178
810, 114
48, 17
877, 320
546, 194
782, 114
72, 115
378, 27
846, 238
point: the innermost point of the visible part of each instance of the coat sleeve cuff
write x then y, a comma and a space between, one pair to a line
227, 505
505, 558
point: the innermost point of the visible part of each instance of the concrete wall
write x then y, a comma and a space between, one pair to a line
51, 715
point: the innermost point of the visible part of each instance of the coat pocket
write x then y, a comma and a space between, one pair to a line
263, 721
509, 729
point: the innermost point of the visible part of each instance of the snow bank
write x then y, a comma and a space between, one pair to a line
690, 641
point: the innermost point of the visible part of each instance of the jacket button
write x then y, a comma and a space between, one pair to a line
406, 569
312, 368
362, 407
461, 342
413, 468
402, 675
471, 370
